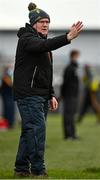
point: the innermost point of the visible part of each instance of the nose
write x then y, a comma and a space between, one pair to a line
45, 24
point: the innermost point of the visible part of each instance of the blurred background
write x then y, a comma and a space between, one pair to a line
64, 159
14, 14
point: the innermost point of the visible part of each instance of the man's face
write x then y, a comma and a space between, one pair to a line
42, 26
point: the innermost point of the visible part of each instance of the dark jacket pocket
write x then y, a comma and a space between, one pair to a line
41, 79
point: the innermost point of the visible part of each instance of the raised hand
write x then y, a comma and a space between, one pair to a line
75, 30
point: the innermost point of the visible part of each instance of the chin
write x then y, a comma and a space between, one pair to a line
45, 33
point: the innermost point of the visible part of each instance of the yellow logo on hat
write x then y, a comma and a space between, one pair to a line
37, 10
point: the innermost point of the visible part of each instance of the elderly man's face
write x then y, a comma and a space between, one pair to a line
42, 26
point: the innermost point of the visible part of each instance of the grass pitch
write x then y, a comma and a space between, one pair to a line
64, 159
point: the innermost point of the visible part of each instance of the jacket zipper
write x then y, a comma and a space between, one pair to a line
33, 76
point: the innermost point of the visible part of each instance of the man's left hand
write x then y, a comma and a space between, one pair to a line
53, 104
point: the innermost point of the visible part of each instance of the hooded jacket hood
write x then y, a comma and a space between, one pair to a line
27, 29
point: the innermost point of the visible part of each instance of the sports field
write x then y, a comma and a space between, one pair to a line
64, 159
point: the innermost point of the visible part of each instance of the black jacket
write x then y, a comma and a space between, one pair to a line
33, 64
70, 86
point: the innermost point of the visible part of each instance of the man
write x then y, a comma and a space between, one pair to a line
33, 87
95, 98
90, 96
69, 93
7, 96
86, 100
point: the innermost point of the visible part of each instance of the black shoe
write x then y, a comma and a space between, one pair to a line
75, 138
21, 174
40, 175
72, 138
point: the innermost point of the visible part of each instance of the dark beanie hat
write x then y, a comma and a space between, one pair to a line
36, 14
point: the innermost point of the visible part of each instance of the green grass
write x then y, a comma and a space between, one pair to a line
64, 159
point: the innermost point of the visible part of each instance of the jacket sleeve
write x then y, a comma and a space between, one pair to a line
34, 44
52, 93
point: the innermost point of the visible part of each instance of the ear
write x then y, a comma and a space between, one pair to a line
34, 26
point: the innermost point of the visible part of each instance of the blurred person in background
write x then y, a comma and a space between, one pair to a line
33, 88
69, 94
95, 98
86, 102
90, 95
7, 96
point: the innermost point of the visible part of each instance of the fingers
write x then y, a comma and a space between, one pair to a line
79, 26
73, 25
80, 29
78, 23
53, 105
56, 105
75, 30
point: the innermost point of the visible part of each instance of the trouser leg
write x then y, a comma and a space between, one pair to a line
33, 125
68, 118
